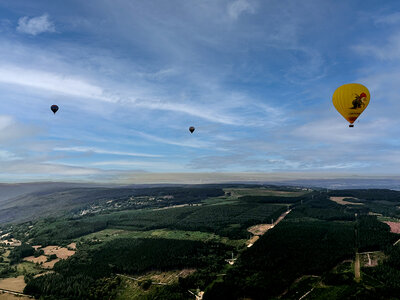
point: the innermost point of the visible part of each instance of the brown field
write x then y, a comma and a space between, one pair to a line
252, 240
36, 247
50, 264
259, 229
61, 252
39, 259
5, 296
339, 200
13, 284
394, 226
13, 242
44, 273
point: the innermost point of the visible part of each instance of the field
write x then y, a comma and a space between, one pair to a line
135, 288
13, 284
394, 226
339, 200
61, 252
111, 234
6, 296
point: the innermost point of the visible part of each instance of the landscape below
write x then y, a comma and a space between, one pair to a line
208, 241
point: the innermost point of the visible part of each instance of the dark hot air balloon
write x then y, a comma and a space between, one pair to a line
54, 108
191, 129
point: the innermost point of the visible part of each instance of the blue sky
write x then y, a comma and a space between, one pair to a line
254, 77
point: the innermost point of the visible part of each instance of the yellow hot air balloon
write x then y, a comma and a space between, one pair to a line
350, 100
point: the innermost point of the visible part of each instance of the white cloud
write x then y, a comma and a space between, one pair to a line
238, 7
103, 151
35, 25
50, 82
194, 110
190, 144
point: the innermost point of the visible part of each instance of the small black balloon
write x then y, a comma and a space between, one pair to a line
191, 129
54, 108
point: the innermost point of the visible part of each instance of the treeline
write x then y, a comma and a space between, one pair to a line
368, 194
271, 199
284, 254
79, 276
231, 220
179, 195
319, 206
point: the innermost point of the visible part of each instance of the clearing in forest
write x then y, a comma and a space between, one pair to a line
61, 252
38, 260
371, 259
50, 264
259, 229
132, 287
394, 226
339, 200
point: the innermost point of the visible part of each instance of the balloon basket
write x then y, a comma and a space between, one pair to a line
351, 125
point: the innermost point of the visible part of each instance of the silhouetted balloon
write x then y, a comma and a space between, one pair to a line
54, 108
191, 129
350, 100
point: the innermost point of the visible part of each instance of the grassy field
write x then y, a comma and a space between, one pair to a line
133, 288
110, 234
387, 219
28, 267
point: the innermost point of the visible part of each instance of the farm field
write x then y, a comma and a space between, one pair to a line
341, 201
13, 284
394, 226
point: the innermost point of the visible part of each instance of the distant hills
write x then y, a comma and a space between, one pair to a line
26, 201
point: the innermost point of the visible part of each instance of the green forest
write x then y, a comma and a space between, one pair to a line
311, 249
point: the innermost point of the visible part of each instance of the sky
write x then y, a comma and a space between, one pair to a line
254, 77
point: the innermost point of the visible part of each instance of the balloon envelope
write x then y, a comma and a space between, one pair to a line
191, 129
54, 108
350, 100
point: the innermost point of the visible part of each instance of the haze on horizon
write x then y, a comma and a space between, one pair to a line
254, 77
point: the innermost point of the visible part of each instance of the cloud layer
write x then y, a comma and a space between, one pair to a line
254, 77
